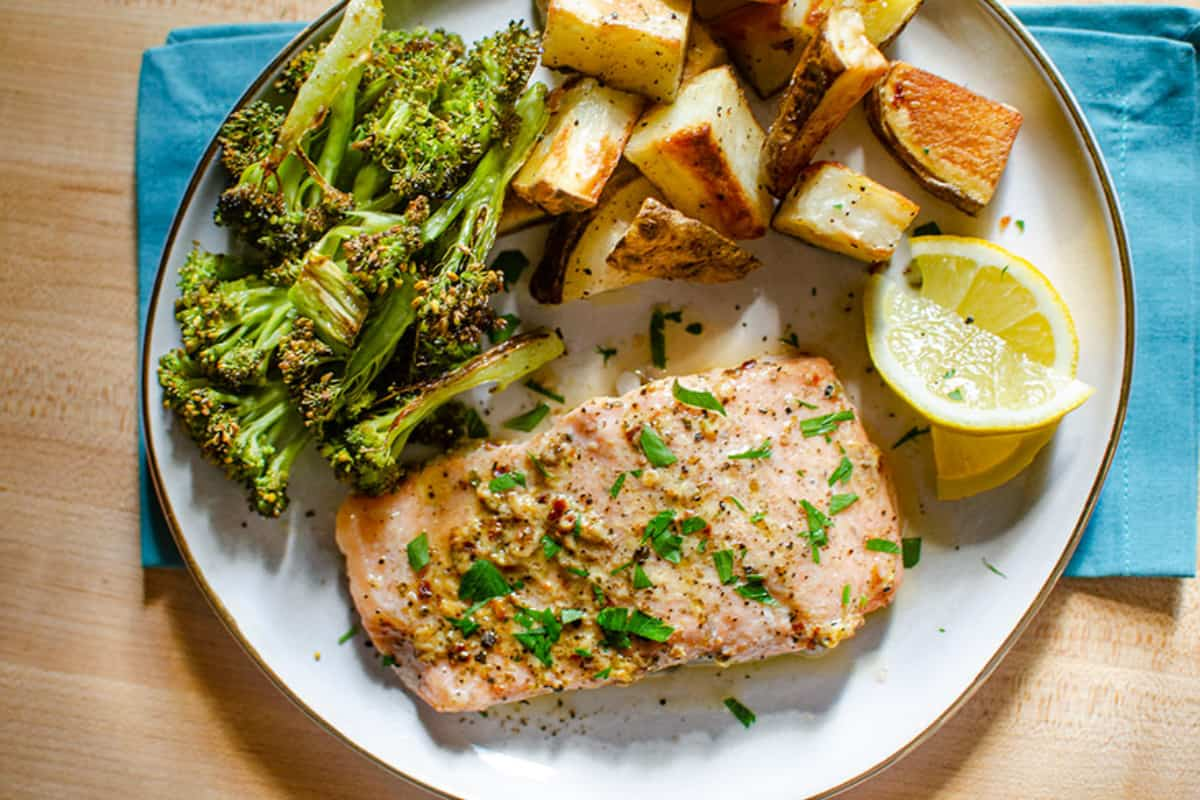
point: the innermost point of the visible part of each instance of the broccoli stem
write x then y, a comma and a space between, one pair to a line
340, 128
349, 48
324, 293
368, 454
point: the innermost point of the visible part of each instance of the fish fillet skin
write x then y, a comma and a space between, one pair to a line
564, 541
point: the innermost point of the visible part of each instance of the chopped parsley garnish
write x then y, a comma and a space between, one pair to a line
723, 561
541, 632
949, 374
882, 546
793, 340
539, 466
583, 652
753, 589
640, 579
737, 503
388, 661
845, 595
619, 624
817, 523
481, 582
603, 674
740, 712
648, 627
550, 548
693, 525
598, 593
510, 263
1021, 225
913, 433
816, 520
656, 450
757, 517
993, 568
418, 552
606, 352
506, 481
695, 329
754, 453
837, 206
825, 424
530, 419
503, 334
476, 427
910, 550
956, 395
580, 571
534, 386
842, 473
840, 502
666, 544
570, 615
466, 626
806, 404
928, 229
618, 570
348, 635
658, 338
697, 398
615, 489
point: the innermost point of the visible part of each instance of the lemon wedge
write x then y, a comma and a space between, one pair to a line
1001, 293
968, 465
960, 374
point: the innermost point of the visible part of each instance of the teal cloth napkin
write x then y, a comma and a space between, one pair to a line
1134, 70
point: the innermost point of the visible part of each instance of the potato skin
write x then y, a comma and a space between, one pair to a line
837, 68
955, 142
664, 243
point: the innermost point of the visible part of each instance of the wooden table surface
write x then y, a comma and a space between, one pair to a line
116, 681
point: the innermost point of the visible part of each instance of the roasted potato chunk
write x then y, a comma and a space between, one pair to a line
954, 141
764, 51
517, 214
703, 53
711, 9
575, 264
836, 208
663, 243
636, 45
580, 148
882, 19
704, 151
837, 68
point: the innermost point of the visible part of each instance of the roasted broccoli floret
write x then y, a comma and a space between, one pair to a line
455, 292
254, 436
204, 269
249, 134
443, 112
378, 256
233, 327
453, 311
288, 198
367, 454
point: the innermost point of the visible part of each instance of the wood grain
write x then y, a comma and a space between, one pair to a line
116, 681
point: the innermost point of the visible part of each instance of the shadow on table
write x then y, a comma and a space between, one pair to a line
299, 757
1156, 595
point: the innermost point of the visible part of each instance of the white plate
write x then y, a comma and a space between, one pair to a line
823, 723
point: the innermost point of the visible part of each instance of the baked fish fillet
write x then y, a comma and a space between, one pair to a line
773, 530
